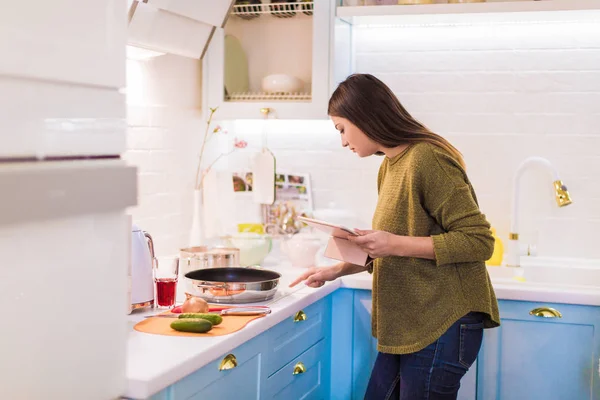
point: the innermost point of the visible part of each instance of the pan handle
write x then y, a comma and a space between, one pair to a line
211, 285
246, 311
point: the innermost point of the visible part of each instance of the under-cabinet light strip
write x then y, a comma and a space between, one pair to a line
471, 24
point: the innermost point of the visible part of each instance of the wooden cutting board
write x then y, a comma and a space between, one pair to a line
162, 326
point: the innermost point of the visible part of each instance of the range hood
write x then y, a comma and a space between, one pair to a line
182, 27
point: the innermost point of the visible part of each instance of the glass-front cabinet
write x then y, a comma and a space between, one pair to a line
271, 55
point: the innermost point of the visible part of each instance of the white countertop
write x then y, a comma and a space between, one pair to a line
510, 289
156, 361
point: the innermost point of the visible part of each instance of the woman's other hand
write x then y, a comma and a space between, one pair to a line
376, 243
384, 244
317, 276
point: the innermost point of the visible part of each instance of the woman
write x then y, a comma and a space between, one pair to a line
432, 296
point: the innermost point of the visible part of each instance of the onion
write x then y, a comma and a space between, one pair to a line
193, 304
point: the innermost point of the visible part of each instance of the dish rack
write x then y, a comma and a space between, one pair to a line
248, 10
257, 96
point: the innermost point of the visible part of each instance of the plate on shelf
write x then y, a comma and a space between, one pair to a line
236, 67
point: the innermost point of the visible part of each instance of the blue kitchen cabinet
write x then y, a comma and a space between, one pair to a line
468, 384
326, 351
289, 361
162, 395
354, 349
297, 357
243, 381
295, 334
543, 356
342, 351
363, 343
234, 375
305, 377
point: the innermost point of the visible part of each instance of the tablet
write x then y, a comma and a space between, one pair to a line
332, 229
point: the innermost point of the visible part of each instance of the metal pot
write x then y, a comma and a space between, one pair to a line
201, 257
233, 285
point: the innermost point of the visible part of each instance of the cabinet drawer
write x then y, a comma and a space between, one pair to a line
211, 382
297, 333
552, 354
242, 382
302, 378
546, 312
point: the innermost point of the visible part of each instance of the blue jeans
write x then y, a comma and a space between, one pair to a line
433, 373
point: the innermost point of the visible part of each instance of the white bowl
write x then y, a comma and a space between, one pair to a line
301, 250
254, 247
281, 83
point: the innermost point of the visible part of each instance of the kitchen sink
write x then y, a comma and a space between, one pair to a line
549, 272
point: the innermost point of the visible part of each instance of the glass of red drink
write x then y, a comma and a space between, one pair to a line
166, 272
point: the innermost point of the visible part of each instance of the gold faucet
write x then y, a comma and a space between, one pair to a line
563, 198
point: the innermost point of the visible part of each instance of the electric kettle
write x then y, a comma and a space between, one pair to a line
142, 263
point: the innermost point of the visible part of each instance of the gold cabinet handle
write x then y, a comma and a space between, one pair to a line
545, 312
299, 368
300, 316
228, 362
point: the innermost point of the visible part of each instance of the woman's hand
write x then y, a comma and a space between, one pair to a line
376, 243
384, 244
317, 276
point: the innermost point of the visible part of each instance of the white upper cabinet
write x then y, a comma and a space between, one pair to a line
271, 55
41, 119
65, 40
211, 12
181, 27
61, 71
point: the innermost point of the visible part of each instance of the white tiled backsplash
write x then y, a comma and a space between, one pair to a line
165, 125
499, 93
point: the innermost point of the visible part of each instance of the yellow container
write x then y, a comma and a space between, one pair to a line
466, 1
248, 227
496, 258
409, 2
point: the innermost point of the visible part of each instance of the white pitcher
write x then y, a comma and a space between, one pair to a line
301, 250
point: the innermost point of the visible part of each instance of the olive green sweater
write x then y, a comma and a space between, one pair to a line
424, 192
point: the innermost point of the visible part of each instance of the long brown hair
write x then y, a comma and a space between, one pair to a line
370, 105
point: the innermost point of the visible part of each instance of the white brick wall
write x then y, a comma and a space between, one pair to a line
500, 94
165, 129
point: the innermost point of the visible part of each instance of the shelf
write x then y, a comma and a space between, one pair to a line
261, 96
281, 10
508, 11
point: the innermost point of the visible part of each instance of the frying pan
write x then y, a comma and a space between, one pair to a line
233, 285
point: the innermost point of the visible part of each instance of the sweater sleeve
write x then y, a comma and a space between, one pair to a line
450, 200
